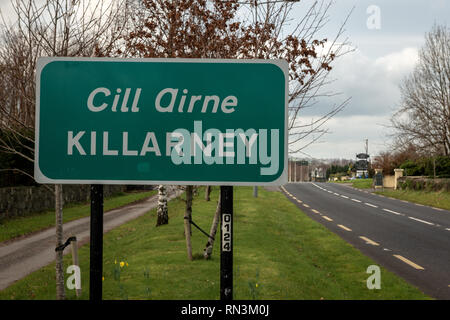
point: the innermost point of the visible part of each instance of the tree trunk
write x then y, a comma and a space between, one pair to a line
187, 219
60, 291
212, 233
434, 167
163, 212
208, 193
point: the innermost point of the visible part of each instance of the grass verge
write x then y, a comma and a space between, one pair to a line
16, 227
279, 254
362, 183
434, 199
357, 183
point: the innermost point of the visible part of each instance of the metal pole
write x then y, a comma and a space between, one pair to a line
96, 249
295, 171
289, 171
226, 243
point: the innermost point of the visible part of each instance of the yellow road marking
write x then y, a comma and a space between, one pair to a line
326, 218
344, 227
412, 264
368, 241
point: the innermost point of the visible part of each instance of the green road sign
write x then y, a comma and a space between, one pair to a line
161, 121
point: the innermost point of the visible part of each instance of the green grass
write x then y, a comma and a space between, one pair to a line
362, 183
15, 227
434, 199
358, 183
279, 253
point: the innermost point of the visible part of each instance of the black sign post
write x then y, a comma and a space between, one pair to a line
96, 249
226, 243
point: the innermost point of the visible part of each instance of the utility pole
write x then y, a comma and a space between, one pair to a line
295, 171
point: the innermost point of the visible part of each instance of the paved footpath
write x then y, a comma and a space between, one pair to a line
21, 257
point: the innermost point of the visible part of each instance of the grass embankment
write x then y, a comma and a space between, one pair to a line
362, 183
434, 199
280, 253
15, 227
357, 183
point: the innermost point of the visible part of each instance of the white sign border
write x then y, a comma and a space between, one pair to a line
41, 178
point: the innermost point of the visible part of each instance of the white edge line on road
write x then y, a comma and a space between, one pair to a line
423, 221
370, 205
409, 262
394, 212
326, 218
356, 200
345, 197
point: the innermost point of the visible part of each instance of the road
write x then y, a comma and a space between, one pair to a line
411, 240
21, 257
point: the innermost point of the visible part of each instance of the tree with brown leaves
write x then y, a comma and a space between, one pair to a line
244, 30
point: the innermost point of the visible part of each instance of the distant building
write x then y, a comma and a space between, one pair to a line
362, 165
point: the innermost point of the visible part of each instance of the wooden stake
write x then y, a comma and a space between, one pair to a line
75, 261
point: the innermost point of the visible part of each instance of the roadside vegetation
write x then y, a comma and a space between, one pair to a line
433, 199
362, 183
279, 254
437, 199
16, 227
357, 183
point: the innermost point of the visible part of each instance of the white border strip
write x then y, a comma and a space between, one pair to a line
41, 178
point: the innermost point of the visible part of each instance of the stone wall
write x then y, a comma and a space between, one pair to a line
21, 201
424, 184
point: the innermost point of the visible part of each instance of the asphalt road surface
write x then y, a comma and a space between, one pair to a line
411, 240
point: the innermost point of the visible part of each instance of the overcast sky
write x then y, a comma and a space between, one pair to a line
372, 73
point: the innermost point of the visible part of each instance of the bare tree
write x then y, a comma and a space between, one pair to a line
212, 233
274, 33
48, 28
245, 30
162, 210
423, 119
